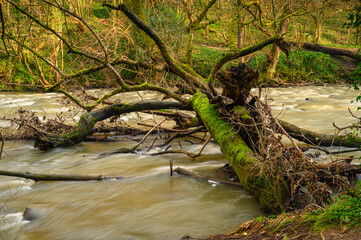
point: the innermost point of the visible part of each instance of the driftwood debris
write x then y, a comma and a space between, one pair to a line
330, 172
57, 177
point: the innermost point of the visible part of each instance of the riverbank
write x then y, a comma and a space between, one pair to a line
287, 226
340, 220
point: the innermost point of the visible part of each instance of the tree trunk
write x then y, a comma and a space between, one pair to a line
275, 51
272, 195
317, 31
137, 7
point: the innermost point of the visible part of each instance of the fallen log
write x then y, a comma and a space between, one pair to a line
318, 139
56, 177
272, 195
328, 50
88, 120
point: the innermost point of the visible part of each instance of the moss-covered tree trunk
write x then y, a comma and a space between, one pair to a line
137, 6
88, 120
271, 195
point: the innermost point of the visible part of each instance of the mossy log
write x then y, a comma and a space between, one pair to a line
271, 195
56, 177
314, 138
89, 119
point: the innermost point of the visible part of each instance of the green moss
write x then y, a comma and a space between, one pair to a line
241, 111
16, 71
241, 158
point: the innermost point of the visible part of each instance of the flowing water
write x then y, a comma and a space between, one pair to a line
148, 204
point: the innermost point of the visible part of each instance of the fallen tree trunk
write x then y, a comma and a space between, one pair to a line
88, 120
328, 50
318, 139
56, 177
271, 195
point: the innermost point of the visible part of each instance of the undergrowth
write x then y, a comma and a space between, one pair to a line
302, 66
345, 211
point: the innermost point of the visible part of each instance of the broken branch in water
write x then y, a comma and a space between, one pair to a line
163, 128
335, 152
183, 134
149, 132
187, 173
56, 177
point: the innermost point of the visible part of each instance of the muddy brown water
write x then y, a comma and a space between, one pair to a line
149, 204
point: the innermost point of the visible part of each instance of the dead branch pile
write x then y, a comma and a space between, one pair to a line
305, 183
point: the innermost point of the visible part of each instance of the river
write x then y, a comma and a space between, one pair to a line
148, 204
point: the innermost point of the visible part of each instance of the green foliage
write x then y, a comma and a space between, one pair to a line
346, 210
16, 72
204, 58
99, 11
354, 17
166, 22
302, 66
356, 80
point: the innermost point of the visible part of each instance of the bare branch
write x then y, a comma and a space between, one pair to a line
71, 49
84, 22
178, 69
149, 132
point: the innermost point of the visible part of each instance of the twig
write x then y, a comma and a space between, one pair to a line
340, 129
146, 135
171, 167
353, 115
151, 145
183, 134
184, 152
203, 146
163, 128
2, 144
